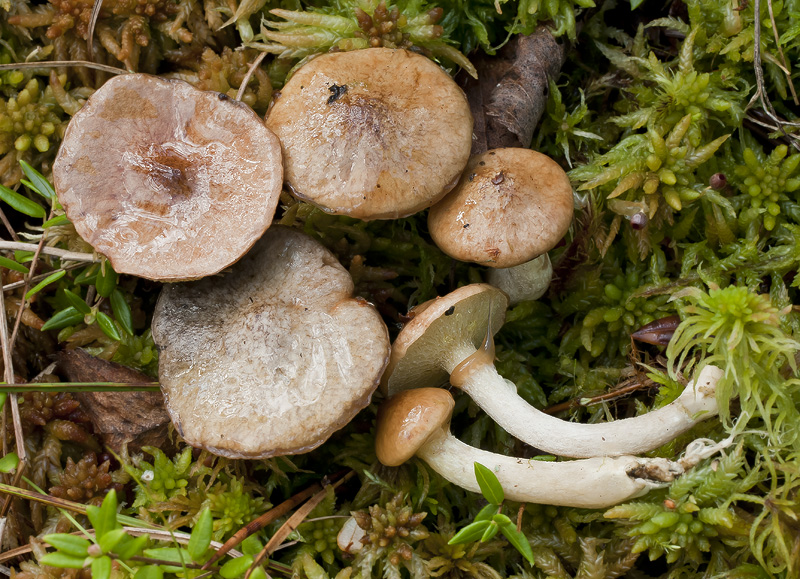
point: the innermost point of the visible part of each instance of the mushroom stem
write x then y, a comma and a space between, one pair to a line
591, 483
527, 281
477, 376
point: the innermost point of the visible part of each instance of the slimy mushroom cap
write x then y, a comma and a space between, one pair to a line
375, 134
272, 358
167, 181
510, 206
407, 420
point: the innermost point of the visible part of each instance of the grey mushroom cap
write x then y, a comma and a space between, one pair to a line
273, 357
378, 133
167, 181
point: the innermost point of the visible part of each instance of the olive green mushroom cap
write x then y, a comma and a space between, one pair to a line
167, 181
425, 345
407, 420
378, 133
273, 357
510, 206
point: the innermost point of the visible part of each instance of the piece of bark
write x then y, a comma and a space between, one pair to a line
134, 418
510, 94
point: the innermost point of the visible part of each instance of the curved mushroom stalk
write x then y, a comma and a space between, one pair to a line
441, 340
417, 422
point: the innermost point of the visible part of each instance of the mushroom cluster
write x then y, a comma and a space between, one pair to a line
451, 337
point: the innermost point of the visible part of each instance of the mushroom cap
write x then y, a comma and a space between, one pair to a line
272, 358
167, 181
407, 420
510, 206
378, 133
424, 344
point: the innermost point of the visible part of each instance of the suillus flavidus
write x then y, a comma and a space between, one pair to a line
510, 207
166, 181
451, 336
377, 133
273, 357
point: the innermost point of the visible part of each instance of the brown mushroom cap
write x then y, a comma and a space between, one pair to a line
420, 350
167, 181
272, 358
374, 134
510, 206
407, 420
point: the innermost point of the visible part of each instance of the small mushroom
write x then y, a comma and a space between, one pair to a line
511, 206
168, 182
272, 358
453, 335
375, 134
416, 422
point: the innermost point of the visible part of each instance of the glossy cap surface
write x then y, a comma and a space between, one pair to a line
510, 206
407, 420
168, 182
273, 357
377, 133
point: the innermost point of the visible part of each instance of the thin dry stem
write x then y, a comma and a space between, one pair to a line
58, 63
780, 52
250, 71
63, 254
98, 4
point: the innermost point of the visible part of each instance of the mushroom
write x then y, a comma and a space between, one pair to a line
416, 422
168, 182
444, 337
378, 133
510, 207
272, 358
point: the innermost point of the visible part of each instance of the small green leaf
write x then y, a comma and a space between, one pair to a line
486, 513
21, 203
106, 281
518, 540
61, 319
111, 539
89, 275
149, 572
107, 325
69, 544
129, 548
122, 311
501, 519
55, 276
490, 532
11, 264
77, 302
236, 567
55, 221
37, 181
471, 532
104, 518
636, 3
201, 535
173, 554
63, 561
259, 573
490, 487
10, 461
101, 567
23, 256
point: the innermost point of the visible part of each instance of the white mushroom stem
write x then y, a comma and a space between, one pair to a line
527, 281
592, 483
474, 372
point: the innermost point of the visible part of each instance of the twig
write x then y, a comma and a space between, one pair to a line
10, 229
250, 71
580, 402
780, 52
256, 525
98, 4
761, 93
80, 387
54, 251
291, 524
40, 277
59, 63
